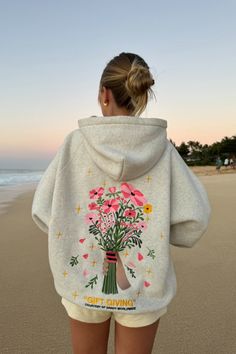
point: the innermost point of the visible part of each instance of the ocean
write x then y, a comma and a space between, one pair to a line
13, 177
14, 182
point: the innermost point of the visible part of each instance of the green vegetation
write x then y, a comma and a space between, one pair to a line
197, 154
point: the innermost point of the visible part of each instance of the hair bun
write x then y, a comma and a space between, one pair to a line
139, 80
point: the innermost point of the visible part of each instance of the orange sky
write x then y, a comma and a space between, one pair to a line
50, 74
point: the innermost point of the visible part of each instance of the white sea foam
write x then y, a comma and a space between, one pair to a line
19, 176
15, 182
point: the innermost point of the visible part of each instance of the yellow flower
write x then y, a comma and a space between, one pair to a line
147, 208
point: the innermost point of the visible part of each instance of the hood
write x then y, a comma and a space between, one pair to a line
124, 147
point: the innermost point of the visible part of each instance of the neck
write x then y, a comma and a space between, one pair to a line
117, 111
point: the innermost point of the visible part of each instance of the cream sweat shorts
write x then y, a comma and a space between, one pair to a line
97, 316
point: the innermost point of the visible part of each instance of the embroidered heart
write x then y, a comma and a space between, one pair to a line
140, 256
147, 284
85, 272
85, 256
81, 240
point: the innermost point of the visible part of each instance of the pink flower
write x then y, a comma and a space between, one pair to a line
134, 194
91, 218
130, 213
96, 193
127, 236
112, 189
128, 225
141, 225
110, 206
103, 228
107, 223
123, 223
93, 206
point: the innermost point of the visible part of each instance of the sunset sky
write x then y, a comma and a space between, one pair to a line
53, 53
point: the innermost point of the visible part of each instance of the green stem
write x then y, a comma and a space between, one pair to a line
109, 282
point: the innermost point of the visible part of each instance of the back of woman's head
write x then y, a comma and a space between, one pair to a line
128, 77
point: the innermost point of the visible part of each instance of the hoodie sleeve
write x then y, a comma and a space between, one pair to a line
190, 209
42, 201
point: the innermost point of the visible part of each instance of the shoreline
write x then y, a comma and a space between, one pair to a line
8, 194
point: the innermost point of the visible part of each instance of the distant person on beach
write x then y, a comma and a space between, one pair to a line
232, 162
226, 162
114, 198
219, 163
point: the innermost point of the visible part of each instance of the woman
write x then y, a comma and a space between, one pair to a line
113, 199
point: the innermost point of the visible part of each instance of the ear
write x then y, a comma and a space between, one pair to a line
105, 95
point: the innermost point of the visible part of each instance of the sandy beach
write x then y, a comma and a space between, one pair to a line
200, 320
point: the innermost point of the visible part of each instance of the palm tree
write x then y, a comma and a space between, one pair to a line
172, 142
183, 150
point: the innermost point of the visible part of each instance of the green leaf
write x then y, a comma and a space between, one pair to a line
92, 282
151, 253
93, 230
74, 261
131, 271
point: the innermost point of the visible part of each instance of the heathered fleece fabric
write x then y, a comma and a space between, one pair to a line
113, 199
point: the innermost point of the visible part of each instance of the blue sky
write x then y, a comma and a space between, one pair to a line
53, 53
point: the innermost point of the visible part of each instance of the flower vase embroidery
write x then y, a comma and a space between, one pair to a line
117, 222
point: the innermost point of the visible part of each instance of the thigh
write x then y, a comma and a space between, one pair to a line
89, 338
137, 340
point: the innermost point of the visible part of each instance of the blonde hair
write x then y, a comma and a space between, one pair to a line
128, 77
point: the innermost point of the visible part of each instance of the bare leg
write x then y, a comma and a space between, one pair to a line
135, 340
89, 338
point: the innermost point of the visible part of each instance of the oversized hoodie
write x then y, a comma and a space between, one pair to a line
114, 198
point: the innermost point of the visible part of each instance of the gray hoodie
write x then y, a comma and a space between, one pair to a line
113, 199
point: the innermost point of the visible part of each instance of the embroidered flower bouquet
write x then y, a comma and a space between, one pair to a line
117, 222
